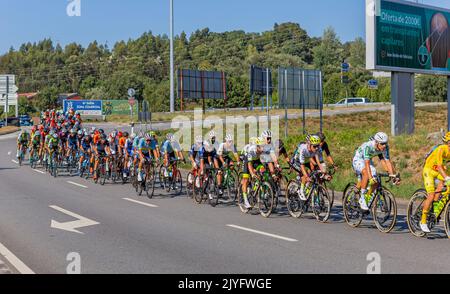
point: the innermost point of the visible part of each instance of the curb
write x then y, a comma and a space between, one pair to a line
9, 132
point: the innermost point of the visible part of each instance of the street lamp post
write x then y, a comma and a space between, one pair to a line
172, 83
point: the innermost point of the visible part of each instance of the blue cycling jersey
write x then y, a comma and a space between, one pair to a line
167, 147
72, 141
144, 146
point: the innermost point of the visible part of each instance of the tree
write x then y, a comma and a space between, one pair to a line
328, 55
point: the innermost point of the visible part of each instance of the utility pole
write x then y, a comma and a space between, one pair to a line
172, 82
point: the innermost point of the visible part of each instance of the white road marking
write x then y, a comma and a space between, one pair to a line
139, 202
73, 225
263, 233
16, 162
16, 262
76, 184
39, 171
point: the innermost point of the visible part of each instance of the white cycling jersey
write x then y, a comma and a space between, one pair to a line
302, 154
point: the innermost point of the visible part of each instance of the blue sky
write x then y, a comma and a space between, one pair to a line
113, 20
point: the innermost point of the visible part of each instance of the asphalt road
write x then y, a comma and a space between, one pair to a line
175, 235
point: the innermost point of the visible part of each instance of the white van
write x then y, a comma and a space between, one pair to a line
353, 101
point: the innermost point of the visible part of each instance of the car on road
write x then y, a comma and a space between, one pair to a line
25, 121
12, 121
353, 101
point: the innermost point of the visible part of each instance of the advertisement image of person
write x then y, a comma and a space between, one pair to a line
438, 43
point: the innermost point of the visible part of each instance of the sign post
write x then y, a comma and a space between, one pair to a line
6, 103
131, 101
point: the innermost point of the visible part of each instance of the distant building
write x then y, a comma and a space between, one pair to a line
68, 96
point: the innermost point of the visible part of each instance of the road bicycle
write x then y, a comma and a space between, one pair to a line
382, 205
441, 209
148, 175
170, 177
22, 152
317, 197
260, 194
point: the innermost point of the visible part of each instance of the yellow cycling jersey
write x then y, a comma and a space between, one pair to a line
439, 157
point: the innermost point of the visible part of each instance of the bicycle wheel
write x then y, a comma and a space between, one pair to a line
211, 191
414, 212
103, 174
293, 202
266, 199
162, 178
447, 219
198, 189
190, 185
321, 204
177, 183
350, 206
384, 211
150, 182
231, 183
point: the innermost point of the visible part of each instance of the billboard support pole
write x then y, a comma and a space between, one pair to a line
6, 101
402, 112
321, 101
267, 96
448, 103
303, 101
285, 105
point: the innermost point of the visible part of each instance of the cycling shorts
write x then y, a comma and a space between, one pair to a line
429, 178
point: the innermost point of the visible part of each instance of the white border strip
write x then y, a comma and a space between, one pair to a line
39, 171
263, 233
16, 162
139, 202
75, 184
16, 262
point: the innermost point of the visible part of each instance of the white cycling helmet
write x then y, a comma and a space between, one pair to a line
199, 139
266, 134
169, 136
212, 134
381, 138
229, 138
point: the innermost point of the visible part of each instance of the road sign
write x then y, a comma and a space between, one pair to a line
84, 107
345, 67
373, 84
12, 79
131, 92
10, 97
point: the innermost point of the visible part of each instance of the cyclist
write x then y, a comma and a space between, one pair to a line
35, 143
144, 153
22, 142
251, 153
364, 168
154, 147
72, 142
324, 148
128, 151
269, 156
52, 145
227, 150
85, 147
433, 170
172, 152
101, 150
305, 156
195, 155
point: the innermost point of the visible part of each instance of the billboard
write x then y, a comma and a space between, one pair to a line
258, 80
299, 88
84, 107
118, 107
196, 84
407, 37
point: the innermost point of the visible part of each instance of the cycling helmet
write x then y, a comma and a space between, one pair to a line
381, 138
212, 134
266, 134
321, 136
152, 133
229, 138
169, 136
93, 129
199, 139
103, 137
252, 140
147, 137
37, 133
80, 133
55, 136
446, 138
314, 140
259, 141
73, 131
101, 131
86, 134
132, 136
125, 134
51, 132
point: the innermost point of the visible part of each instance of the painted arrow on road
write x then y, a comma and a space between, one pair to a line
73, 225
